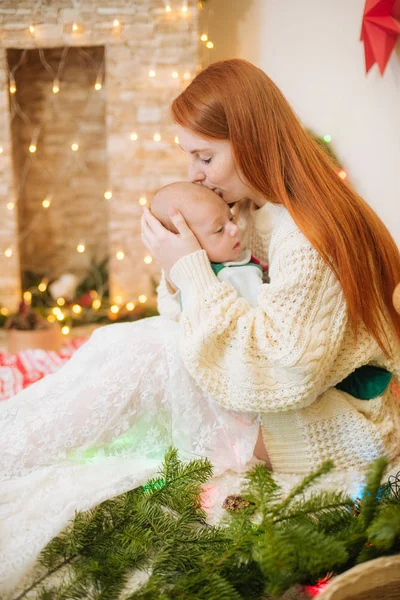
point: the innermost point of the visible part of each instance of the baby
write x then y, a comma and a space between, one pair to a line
212, 222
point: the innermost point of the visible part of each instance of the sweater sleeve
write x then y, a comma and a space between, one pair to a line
168, 304
271, 358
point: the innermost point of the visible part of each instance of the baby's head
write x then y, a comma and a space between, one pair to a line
207, 215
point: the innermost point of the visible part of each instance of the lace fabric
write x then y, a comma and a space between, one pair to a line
100, 426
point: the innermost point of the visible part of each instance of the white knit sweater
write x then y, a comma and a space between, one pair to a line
282, 358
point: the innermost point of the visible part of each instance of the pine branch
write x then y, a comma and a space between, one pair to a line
333, 507
261, 489
309, 480
384, 531
39, 581
266, 548
370, 500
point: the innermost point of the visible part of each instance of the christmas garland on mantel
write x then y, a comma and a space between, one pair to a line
267, 547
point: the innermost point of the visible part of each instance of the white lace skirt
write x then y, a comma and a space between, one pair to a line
100, 426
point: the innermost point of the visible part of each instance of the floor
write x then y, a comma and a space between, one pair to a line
84, 331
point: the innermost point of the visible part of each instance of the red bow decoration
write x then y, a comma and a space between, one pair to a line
379, 31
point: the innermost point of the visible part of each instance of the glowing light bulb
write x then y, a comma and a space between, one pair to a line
174, 75
13, 87
96, 304
116, 23
42, 287
56, 86
8, 252
81, 248
65, 330
51, 318
10, 205
108, 195
210, 45
97, 86
342, 174
134, 136
152, 73
31, 29
168, 8
120, 255
77, 309
74, 147
157, 137
75, 27
114, 309
142, 201
32, 148
1, 150
148, 259
60, 316
142, 298
4, 311
46, 203
184, 8
130, 306
204, 37
327, 138
27, 297
176, 139
61, 301
186, 75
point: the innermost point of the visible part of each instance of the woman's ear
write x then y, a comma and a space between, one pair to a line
396, 298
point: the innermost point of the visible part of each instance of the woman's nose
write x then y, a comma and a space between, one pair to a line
233, 229
195, 174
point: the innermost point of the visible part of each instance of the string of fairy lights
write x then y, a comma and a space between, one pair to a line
61, 311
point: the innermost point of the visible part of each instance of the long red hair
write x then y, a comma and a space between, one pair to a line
235, 100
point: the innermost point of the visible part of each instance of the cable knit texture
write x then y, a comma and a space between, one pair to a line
284, 357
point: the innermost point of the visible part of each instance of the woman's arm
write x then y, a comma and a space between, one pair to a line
277, 356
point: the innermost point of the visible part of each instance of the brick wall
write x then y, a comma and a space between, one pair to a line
100, 121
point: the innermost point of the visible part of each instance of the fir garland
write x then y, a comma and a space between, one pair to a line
270, 544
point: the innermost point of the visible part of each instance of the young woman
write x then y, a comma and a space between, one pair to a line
333, 268
101, 424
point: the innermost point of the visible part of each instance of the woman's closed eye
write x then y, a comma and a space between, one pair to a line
206, 161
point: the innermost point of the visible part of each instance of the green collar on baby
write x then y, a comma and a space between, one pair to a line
217, 267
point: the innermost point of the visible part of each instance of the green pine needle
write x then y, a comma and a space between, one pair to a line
160, 529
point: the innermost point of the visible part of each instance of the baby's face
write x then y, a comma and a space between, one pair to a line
213, 224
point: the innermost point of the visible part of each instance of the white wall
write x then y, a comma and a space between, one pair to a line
311, 49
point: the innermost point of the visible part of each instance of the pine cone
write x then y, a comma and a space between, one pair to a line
235, 502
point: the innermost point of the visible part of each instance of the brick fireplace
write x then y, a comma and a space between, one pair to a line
85, 134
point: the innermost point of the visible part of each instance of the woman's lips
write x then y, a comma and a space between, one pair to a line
218, 192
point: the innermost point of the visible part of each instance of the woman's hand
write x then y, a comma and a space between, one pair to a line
167, 247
